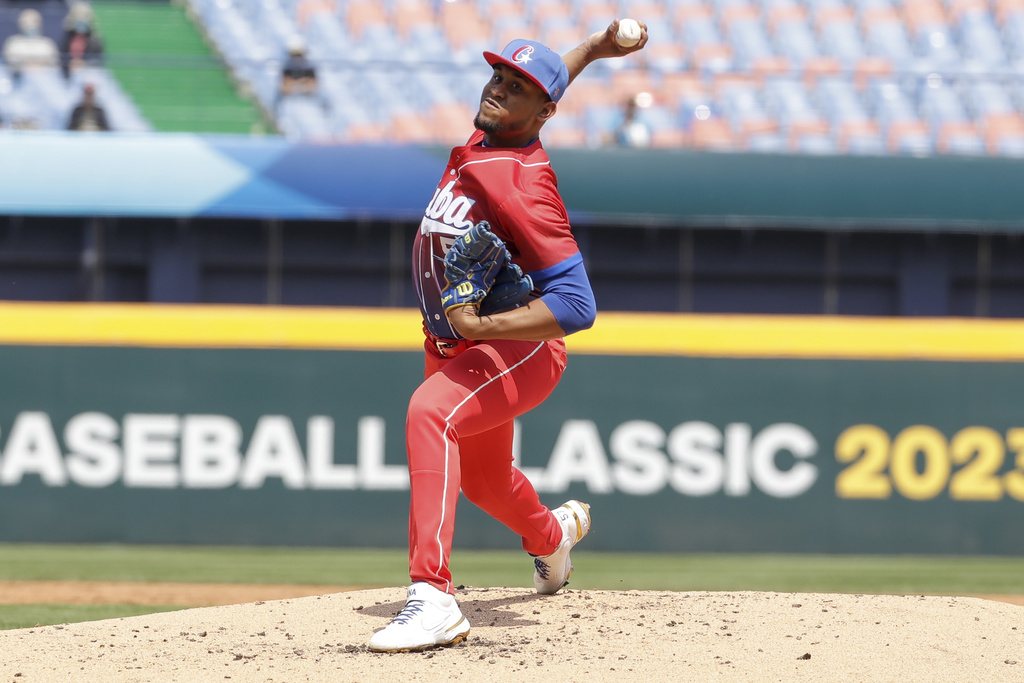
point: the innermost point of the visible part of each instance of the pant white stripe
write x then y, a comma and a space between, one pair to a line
444, 436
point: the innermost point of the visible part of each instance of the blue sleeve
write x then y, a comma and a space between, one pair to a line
566, 291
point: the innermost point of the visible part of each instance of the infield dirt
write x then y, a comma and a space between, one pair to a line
572, 636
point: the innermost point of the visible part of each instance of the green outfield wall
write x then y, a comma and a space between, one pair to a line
907, 446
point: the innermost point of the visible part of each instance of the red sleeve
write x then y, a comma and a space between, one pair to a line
539, 235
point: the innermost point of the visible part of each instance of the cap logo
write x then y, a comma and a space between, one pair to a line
523, 54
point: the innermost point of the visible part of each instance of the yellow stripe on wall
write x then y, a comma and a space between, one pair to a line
726, 336
210, 326
755, 336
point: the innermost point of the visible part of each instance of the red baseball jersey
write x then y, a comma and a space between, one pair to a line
515, 190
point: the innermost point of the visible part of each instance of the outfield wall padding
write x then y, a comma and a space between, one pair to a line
137, 443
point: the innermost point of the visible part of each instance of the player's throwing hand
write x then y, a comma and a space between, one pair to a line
603, 43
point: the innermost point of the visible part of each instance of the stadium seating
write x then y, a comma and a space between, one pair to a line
41, 97
918, 77
913, 77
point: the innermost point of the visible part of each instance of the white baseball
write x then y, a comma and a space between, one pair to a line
629, 33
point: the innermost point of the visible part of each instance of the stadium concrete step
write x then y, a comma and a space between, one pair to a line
176, 79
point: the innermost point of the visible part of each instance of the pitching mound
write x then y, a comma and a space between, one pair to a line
575, 635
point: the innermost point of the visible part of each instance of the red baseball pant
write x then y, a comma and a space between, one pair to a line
459, 432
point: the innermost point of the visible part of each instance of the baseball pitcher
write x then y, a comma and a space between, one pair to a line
500, 282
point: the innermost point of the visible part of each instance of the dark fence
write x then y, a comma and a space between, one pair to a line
653, 268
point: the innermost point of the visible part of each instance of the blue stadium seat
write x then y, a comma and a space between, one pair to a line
939, 104
842, 41
796, 42
787, 100
1013, 32
839, 101
303, 118
749, 43
980, 41
985, 97
889, 39
816, 144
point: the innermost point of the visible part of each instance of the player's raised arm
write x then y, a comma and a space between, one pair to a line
600, 45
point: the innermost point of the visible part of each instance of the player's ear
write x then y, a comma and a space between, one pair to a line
547, 111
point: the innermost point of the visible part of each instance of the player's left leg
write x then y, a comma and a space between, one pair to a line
491, 482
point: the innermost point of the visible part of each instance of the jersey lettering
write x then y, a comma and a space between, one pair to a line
450, 209
446, 217
476, 185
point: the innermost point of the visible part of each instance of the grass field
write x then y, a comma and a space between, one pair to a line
375, 568
24, 616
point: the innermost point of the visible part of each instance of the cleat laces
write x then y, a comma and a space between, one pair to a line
542, 567
411, 609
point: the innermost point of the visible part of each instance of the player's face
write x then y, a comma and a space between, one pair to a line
512, 106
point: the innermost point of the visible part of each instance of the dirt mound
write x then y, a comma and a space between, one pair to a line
517, 635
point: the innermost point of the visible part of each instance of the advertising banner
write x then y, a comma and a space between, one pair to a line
275, 445
189, 176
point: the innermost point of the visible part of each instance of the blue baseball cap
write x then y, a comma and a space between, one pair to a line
536, 61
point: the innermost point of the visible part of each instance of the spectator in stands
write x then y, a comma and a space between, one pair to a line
81, 46
88, 115
298, 75
29, 48
632, 131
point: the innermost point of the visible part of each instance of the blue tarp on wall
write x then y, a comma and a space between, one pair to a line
186, 176
189, 175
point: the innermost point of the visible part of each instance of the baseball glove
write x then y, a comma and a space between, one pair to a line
471, 266
511, 288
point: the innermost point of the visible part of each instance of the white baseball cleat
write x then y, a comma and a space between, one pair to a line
552, 572
430, 618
